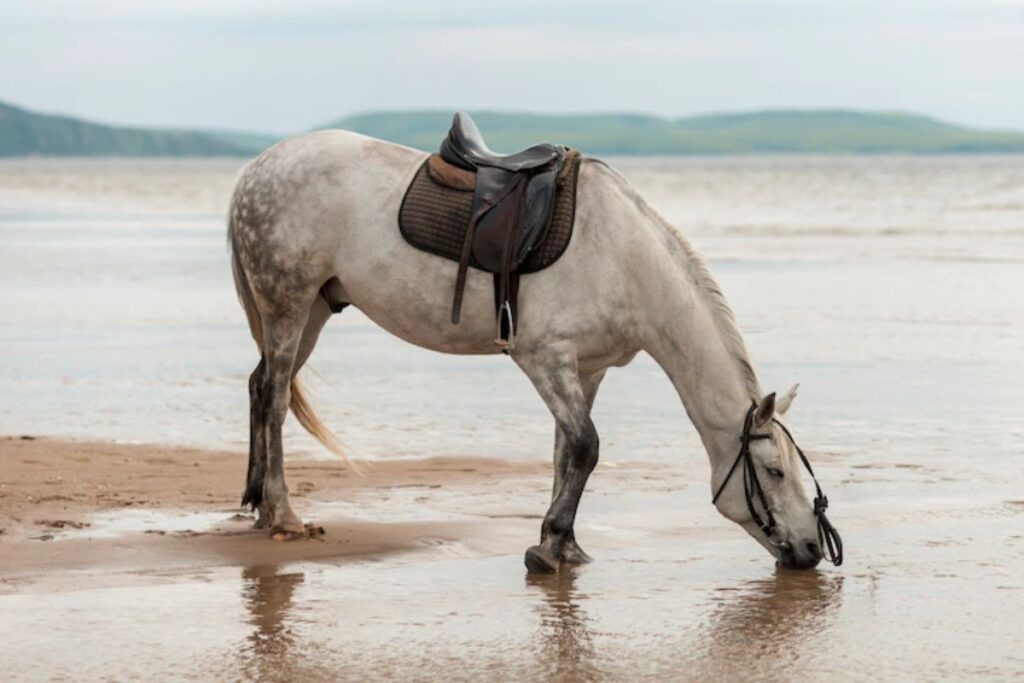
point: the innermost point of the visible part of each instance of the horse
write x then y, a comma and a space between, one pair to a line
312, 228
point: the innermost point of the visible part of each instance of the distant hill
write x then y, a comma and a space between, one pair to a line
799, 131
26, 133
249, 143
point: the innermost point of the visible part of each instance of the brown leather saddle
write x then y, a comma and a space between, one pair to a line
515, 200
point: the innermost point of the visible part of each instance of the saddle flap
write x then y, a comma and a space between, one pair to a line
499, 199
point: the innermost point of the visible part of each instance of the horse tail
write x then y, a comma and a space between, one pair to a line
299, 401
311, 422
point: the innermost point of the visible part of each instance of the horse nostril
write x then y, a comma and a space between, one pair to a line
814, 549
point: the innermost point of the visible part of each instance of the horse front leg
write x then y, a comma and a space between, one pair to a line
572, 552
555, 375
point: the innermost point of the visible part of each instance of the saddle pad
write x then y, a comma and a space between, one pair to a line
435, 213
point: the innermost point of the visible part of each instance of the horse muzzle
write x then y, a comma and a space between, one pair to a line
800, 556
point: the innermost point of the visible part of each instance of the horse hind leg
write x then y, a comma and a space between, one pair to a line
253, 494
290, 331
319, 313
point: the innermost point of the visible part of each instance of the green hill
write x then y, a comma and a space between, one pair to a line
810, 131
25, 133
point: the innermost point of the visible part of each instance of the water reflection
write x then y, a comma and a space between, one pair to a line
269, 597
565, 644
779, 623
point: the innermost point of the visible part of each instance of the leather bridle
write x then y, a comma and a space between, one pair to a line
828, 537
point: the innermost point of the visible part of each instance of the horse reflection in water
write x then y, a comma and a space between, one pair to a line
771, 627
565, 644
272, 652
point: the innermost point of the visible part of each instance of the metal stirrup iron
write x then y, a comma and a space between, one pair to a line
505, 314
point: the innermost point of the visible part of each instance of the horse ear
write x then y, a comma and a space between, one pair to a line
783, 404
765, 410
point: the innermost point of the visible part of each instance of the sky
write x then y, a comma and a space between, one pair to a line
288, 65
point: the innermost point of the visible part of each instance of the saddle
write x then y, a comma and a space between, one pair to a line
513, 203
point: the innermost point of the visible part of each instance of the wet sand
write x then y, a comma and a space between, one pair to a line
133, 561
68, 505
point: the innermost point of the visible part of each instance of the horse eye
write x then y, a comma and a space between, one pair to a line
775, 472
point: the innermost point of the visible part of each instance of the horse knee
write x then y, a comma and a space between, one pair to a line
584, 446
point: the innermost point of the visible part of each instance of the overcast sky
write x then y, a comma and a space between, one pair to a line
287, 65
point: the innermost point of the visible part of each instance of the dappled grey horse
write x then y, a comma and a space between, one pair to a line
313, 227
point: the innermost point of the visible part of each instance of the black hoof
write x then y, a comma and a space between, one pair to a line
539, 562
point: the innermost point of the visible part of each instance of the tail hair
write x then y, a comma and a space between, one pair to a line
303, 411
299, 403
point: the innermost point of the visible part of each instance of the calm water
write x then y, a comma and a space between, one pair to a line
892, 289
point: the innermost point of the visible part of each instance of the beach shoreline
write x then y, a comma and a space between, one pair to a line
60, 501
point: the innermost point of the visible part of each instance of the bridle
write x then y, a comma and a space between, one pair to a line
828, 538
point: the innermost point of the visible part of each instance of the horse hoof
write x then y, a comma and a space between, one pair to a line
280, 533
539, 562
573, 554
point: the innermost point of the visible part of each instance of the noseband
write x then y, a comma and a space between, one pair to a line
828, 538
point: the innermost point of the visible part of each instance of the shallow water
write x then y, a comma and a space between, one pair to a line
892, 289
674, 607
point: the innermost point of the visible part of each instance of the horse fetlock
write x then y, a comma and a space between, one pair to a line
264, 516
555, 529
573, 553
279, 512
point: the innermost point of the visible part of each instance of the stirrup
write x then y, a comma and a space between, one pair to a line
505, 313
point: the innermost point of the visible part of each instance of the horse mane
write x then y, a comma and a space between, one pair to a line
721, 312
706, 285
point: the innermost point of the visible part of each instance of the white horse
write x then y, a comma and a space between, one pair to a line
314, 225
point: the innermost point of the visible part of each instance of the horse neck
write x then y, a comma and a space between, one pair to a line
693, 338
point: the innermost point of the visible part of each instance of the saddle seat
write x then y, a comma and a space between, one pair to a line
513, 199
465, 147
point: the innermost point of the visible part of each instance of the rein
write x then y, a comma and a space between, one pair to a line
829, 541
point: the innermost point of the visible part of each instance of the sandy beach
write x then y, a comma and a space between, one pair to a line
65, 505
